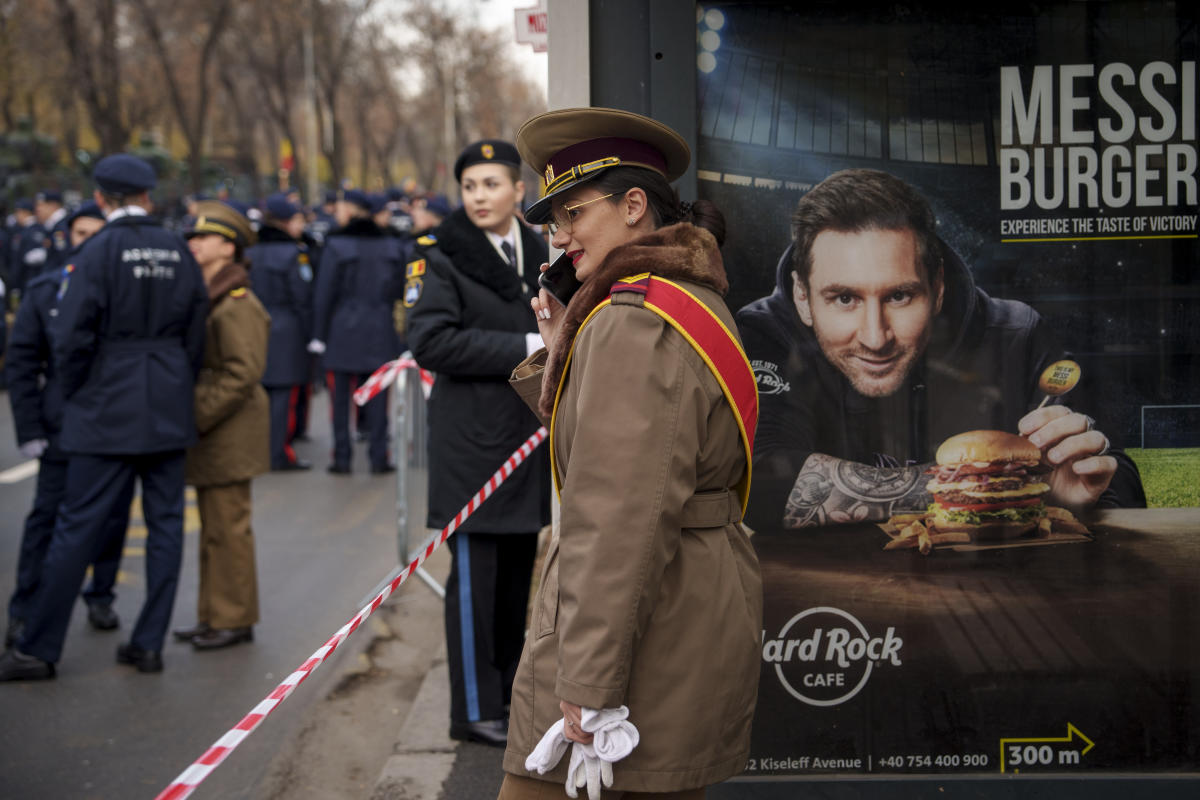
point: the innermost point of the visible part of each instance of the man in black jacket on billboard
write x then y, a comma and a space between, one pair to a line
876, 346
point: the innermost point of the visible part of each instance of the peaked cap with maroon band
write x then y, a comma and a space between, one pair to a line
572, 145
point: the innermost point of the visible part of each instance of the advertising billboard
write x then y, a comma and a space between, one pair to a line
946, 223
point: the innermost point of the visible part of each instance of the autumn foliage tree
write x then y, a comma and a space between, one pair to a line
399, 85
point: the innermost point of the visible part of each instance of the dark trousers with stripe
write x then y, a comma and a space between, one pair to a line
97, 486
39, 528
373, 417
283, 423
486, 598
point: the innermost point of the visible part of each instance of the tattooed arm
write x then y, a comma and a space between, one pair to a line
832, 490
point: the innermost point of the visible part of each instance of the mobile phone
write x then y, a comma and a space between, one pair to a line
559, 280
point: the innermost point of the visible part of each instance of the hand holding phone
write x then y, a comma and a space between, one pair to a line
559, 280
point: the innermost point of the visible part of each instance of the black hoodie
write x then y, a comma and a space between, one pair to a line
980, 370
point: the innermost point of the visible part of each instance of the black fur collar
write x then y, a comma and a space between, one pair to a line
472, 253
269, 233
360, 226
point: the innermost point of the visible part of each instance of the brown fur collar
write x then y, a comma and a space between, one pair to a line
231, 276
679, 252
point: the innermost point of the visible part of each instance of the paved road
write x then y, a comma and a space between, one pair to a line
105, 731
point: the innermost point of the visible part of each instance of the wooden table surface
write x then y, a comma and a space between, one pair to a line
1002, 642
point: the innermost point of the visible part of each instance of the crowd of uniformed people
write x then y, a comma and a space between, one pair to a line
182, 350
147, 356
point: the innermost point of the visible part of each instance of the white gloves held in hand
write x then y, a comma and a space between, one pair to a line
587, 769
614, 737
316, 347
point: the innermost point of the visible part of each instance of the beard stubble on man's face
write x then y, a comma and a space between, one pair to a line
870, 306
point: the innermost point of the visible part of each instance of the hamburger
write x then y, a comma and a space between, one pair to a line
989, 484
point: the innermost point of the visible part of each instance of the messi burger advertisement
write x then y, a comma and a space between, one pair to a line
963, 258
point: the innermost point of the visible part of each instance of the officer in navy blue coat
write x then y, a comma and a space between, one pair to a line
353, 327
36, 399
281, 276
27, 235
129, 342
48, 206
469, 321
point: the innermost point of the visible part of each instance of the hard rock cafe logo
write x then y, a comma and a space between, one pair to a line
488, 151
824, 656
766, 374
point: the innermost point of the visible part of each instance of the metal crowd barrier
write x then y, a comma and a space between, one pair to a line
410, 435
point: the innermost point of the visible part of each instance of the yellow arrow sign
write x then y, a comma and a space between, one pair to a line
1039, 752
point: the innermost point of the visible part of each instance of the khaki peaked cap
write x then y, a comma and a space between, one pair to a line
573, 145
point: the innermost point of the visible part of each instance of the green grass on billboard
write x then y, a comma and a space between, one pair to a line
1171, 475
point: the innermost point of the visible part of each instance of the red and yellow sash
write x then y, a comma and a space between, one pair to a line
714, 342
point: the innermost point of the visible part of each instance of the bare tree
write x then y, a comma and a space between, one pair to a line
469, 90
236, 108
269, 38
205, 24
96, 61
336, 23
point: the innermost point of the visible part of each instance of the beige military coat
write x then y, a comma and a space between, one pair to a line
650, 595
232, 412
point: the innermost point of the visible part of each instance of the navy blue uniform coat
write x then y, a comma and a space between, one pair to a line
281, 277
360, 266
130, 341
33, 386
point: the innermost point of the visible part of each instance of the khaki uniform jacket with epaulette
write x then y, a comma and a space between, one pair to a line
650, 595
232, 410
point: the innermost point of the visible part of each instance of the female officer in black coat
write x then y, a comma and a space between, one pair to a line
469, 321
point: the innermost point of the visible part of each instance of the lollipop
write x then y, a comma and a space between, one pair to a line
1058, 379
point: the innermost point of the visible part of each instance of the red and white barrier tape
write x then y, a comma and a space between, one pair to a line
385, 375
190, 778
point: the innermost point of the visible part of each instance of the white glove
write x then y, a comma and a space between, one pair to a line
615, 736
316, 346
35, 256
549, 750
587, 769
34, 448
533, 343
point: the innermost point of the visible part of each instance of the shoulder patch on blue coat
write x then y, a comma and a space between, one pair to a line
412, 291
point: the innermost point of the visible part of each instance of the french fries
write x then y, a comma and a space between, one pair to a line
911, 531
924, 543
1063, 521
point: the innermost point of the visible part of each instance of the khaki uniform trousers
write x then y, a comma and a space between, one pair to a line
228, 596
520, 787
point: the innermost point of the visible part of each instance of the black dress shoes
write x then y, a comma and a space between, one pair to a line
102, 617
216, 638
187, 634
292, 466
492, 732
144, 660
16, 666
382, 469
339, 469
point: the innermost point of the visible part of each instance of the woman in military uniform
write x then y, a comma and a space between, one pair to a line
468, 292
232, 418
649, 611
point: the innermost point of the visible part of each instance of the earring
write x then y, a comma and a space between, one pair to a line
631, 222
